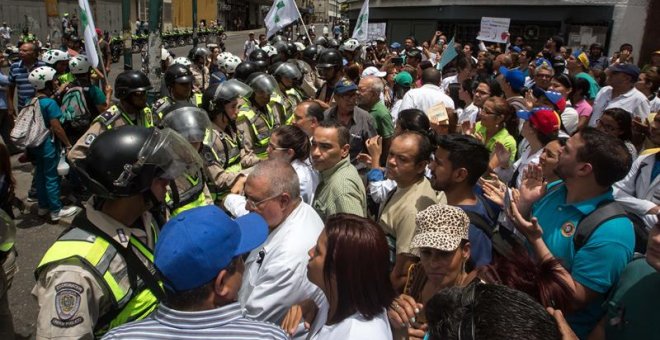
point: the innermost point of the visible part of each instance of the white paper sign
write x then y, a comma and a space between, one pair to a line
376, 30
494, 29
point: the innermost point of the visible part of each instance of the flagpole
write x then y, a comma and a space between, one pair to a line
303, 23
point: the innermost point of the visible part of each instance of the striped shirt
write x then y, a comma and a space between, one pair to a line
18, 76
226, 322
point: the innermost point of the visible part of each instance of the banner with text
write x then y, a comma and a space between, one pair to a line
494, 30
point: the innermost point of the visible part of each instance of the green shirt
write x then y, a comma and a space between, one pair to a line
501, 136
383, 119
341, 191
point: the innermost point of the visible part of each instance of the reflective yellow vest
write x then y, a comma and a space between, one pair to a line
95, 254
194, 196
230, 160
262, 125
111, 115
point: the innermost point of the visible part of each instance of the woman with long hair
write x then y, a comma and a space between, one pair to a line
579, 98
350, 263
291, 144
563, 85
225, 150
441, 242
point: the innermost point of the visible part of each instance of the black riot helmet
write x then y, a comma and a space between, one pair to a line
217, 96
123, 162
198, 52
260, 57
129, 82
178, 73
330, 58
310, 53
282, 51
333, 43
188, 120
321, 41
245, 69
288, 70
277, 38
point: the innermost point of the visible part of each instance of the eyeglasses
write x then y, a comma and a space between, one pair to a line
543, 76
250, 204
606, 127
275, 147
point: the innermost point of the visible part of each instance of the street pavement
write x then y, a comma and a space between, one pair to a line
34, 235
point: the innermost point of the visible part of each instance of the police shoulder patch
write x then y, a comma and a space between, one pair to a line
67, 304
89, 138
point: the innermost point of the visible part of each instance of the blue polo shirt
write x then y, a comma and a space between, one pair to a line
600, 262
18, 75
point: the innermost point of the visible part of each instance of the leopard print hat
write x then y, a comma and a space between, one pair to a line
440, 227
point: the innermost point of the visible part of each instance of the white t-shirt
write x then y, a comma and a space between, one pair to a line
309, 179
469, 113
449, 80
425, 97
632, 101
249, 46
655, 104
356, 327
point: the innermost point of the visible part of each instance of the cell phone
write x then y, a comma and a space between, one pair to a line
397, 61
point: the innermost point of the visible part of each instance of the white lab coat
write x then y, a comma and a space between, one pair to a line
636, 192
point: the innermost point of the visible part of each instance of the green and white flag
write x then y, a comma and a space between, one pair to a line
91, 41
282, 13
362, 24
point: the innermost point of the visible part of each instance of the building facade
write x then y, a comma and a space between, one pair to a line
326, 10
580, 22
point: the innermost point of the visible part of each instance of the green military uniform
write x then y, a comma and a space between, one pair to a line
84, 285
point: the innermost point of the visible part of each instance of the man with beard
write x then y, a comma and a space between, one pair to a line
589, 164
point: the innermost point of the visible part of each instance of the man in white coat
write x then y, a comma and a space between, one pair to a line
639, 191
275, 275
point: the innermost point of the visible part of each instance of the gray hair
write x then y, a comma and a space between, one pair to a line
280, 176
376, 84
544, 67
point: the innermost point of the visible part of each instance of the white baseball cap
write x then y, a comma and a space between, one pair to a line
373, 71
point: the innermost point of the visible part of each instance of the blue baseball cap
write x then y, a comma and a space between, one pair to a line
197, 244
514, 77
515, 48
345, 85
395, 45
629, 69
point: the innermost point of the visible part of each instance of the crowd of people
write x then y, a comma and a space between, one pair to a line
342, 190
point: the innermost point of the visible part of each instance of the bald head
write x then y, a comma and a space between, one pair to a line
307, 116
431, 76
279, 176
369, 90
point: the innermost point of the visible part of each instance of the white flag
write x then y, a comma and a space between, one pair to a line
91, 41
362, 24
282, 13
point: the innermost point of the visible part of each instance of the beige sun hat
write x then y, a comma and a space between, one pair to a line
441, 227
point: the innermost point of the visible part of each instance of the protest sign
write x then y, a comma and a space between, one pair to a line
494, 29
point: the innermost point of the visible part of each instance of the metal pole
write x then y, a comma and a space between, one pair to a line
126, 31
155, 45
194, 19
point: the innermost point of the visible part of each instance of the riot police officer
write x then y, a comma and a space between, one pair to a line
199, 58
99, 273
245, 69
289, 77
222, 150
179, 83
131, 89
258, 117
330, 69
189, 190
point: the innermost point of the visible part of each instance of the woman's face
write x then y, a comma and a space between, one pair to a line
231, 109
317, 261
556, 86
443, 268
549, 158
275, 151
608, 125
489, 118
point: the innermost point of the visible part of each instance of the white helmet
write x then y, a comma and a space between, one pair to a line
350, 45
53, 56
232, 63
40, 76
270, 50
222, 58
183, 61
299, 46
79, 64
